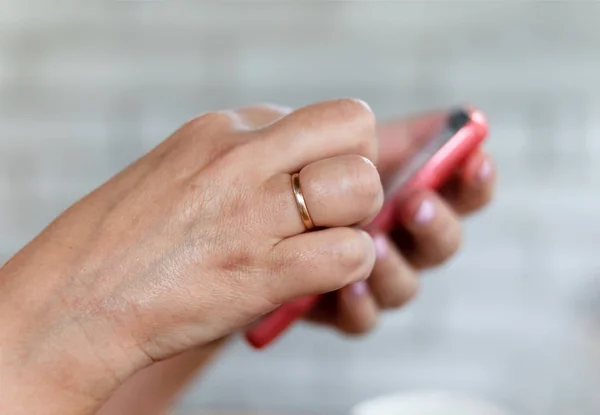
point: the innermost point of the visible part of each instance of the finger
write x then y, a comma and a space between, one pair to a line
473, 187
352, 309
393, 281
432, 230
319, 262
339, 191
241, 119
357, 311
400, 140
259, 116
318, 131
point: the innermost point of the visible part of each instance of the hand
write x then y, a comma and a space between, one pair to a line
193, 241
161, 383
428, 231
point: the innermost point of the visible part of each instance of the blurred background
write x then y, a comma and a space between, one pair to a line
86, 88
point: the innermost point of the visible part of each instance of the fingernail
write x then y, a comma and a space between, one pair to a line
425, 213
381, 246
359, 289
369, 162
485, 170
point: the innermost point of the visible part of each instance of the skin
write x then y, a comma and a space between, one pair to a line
151, 272
354, 310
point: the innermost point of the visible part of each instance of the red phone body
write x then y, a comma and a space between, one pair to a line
457, 137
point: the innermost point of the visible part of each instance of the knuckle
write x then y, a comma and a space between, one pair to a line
259, 116
356, 110
275, 108
358, 120
212, 119
218, 127
238, 157
362, 119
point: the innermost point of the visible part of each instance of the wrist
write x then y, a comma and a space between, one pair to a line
161, 383
52, 358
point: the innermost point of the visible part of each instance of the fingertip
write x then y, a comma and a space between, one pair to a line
473, 187
368, 238
382, 247
319, 262
371, 249
393, 281
357, 310
478, 188
485, 170
358, 289
418, 210
479, 169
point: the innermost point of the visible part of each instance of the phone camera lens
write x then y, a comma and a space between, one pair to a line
458, 119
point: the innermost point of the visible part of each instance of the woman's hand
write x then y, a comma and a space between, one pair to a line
353, 309
427, 235
193, 241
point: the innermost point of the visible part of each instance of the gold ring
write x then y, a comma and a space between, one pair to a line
301, 203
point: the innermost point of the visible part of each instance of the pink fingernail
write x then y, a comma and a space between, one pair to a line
485, 171
425, 213
381, 246
359, 289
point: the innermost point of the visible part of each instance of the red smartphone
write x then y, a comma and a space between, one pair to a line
433, 161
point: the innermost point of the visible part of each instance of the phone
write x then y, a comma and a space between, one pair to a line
433, 161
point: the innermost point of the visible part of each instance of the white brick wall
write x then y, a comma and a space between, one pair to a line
84, 89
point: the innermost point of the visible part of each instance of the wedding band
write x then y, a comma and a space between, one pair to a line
301, 203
